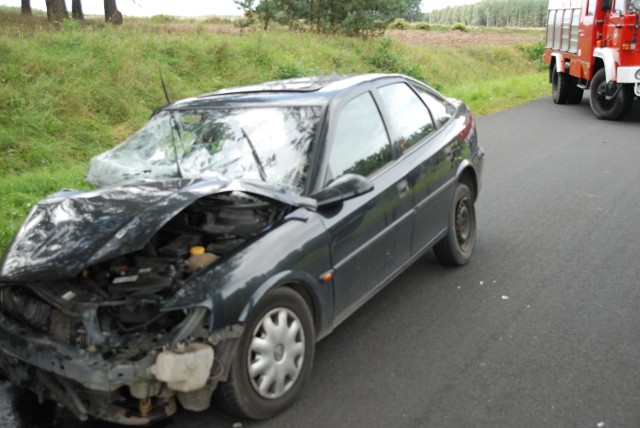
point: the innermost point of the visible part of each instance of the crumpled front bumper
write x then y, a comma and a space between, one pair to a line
88, 369
82, 381
89, 385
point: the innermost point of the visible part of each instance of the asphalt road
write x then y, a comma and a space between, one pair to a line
539, 330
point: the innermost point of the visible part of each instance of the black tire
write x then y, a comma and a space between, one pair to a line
281, 313
456, 248
612, 109
560, 87
575, 93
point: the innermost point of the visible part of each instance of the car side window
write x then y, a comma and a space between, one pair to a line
408, 115
360, 144
440, 109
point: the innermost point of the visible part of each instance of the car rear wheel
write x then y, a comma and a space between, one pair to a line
273, 357
609, 101
456, 248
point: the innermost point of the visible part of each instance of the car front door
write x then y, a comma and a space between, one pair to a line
369, 234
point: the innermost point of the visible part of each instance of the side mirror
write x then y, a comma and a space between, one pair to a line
343, 188
606, 4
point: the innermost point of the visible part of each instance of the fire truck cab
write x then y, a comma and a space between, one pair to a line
593, 44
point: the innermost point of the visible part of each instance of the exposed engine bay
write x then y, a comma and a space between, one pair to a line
111, 313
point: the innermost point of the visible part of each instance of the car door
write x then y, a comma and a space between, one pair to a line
370, 234
428, 148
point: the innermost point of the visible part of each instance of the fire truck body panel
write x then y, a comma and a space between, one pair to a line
585, 36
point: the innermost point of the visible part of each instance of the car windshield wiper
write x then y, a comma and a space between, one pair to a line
263, 175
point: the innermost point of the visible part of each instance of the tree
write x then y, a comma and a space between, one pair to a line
246, 5
414, 12
26, 8
56, 10
76, 9
111, 13
352, 17
266, 10
497, 13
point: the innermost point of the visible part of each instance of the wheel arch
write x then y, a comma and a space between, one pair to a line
467, 176
557, 64
609, 59
298, 282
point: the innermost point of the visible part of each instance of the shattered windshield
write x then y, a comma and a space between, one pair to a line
269, 144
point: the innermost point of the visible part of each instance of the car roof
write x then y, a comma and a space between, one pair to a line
312, 91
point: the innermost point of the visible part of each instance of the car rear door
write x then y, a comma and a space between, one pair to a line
429, 148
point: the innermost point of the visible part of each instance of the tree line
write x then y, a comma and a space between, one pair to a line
494, 13
57, 10
351, 17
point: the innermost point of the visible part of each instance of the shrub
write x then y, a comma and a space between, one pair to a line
423, 26
459, 26
287, 71
385, 58
162, 19
398, 24
534, 52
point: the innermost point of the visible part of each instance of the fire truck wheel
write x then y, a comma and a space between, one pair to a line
619, 102
560, 87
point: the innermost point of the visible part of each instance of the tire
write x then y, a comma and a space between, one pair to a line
280, 333
560, 87
613, 109
575, 93
456, 248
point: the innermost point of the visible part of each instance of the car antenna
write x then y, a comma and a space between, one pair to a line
174, 124
164, 88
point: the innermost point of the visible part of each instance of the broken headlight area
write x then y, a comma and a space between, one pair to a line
102, 338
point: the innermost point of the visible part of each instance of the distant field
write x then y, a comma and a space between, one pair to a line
70, 92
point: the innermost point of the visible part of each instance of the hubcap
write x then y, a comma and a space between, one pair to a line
276, 353
602, 92
463, 223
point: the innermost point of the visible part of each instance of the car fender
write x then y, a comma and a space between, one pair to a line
296, 251
295, 277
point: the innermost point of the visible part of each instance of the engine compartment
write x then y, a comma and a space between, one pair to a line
114, 307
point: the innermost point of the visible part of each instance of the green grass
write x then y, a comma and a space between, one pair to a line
71, 92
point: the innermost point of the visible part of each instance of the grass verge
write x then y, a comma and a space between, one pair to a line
70, 92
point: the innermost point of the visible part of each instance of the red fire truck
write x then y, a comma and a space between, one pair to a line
593, 44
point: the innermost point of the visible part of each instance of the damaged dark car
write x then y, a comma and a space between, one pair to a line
226, 237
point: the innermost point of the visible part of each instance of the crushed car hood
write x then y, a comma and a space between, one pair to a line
71, 230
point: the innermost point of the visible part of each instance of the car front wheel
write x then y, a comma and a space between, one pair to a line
273, 357
456, 248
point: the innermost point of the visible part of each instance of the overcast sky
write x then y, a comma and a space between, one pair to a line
188, 7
